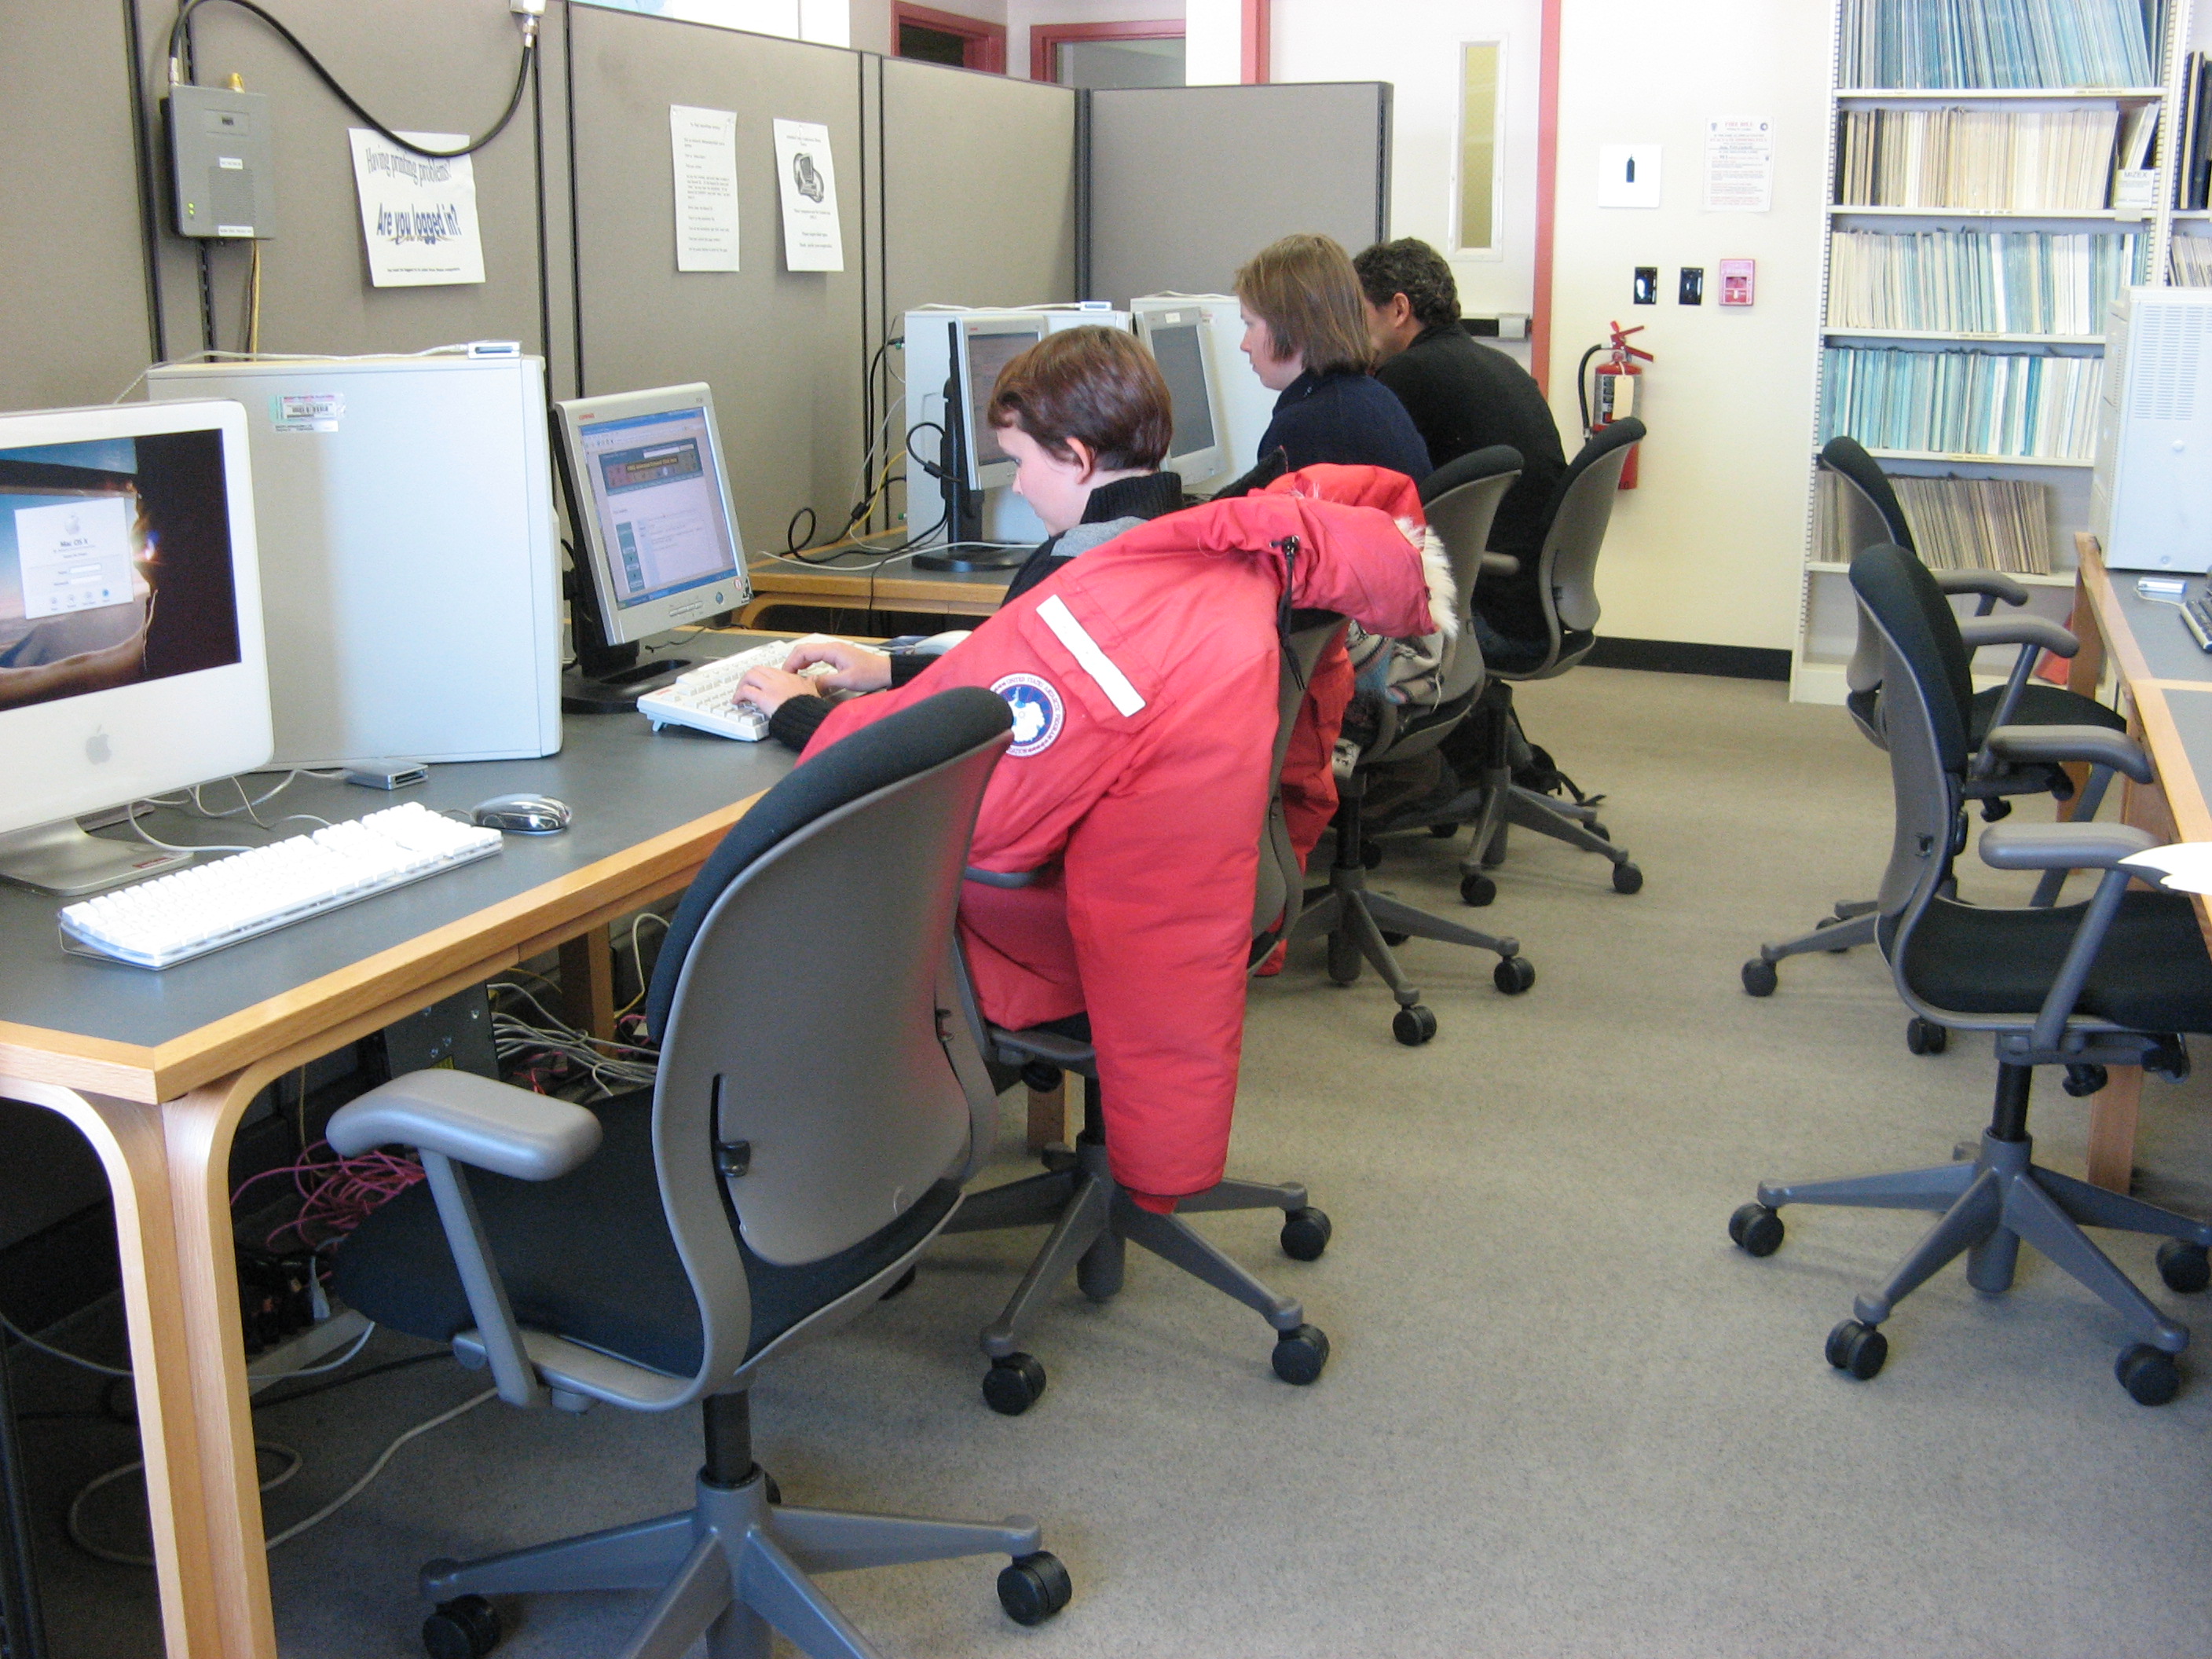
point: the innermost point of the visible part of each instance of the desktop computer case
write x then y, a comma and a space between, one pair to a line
409, 577
2150, 503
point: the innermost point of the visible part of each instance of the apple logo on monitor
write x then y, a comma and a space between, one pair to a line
96, 749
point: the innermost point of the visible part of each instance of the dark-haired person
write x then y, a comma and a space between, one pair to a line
1465, 396
1086, 415
1305, 332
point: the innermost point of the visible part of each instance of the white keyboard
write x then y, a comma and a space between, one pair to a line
703, 698
174, 918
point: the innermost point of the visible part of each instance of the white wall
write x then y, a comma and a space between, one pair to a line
1415, 45
1021, 14
1212, 42
827, 22
1709, 548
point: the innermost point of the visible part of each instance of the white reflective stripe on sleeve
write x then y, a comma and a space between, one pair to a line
1084, 649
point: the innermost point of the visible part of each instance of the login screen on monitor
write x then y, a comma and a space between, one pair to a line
115, 564
658, 504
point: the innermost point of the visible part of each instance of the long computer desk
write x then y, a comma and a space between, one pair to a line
2168, 686
861, 577
157, 1069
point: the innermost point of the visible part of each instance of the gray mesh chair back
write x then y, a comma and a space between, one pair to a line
1276, 896
1871, 516
1582, 508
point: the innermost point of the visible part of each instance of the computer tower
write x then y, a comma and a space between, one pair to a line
2150, 502
410, 567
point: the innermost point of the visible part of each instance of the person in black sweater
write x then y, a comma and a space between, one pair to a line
1306, 334
1463, 397
1086, 416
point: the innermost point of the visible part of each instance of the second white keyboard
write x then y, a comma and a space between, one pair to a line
704, 698
174, 918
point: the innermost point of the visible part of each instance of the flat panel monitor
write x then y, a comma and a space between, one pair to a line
131, 658
1182, 343
984, 346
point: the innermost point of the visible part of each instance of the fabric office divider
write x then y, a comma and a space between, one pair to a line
1184, 183
782, 349
422, 65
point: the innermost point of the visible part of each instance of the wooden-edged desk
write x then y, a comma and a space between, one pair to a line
2168, 685
859, 576
157, 1068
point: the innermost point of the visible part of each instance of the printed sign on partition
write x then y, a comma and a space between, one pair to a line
418, 213
808, 184
704, 143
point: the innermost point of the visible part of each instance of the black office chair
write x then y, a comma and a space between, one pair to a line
2108, 982
1581, 507
1093, 1220
1872, 517
787, 1168
1459, 499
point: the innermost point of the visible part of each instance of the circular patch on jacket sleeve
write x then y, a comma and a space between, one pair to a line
1038, 713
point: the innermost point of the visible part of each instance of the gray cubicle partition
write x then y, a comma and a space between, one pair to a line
783, 350
1183, 184
422, 65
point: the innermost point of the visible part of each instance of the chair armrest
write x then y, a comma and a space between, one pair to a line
1988, 583
1069, 1053
1498, 564
470, 1120
1008, 878
2092, 746
2039, 631
2062, 846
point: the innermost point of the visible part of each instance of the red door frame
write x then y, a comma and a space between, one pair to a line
1046, 39
986, 47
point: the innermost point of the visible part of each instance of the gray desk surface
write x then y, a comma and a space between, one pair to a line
626, 782
2165, 642
2192, 708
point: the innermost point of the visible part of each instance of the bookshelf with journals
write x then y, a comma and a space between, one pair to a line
1999, 171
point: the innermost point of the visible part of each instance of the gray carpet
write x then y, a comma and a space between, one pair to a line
1563, 1416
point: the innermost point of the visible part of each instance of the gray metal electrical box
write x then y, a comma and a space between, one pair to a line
221, 164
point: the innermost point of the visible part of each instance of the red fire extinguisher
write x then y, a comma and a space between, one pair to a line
1615, 388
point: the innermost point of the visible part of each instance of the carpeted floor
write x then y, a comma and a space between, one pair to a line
1564, 1416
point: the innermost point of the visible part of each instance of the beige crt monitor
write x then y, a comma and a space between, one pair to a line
131, 659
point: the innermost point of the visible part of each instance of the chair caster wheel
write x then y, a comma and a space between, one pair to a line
1013, 1384
1627, 878
1756, 1229
2185, 1268
1858, 1349
1513, 974
1442, 831
1413, 1026
1760, 978
1034, 1588
466, 1627
1924, 1037
1306, 1234
901, 1285
1394, 940
1343, 958
1300, 1354
2150, 1377
1370, 856
1477, 890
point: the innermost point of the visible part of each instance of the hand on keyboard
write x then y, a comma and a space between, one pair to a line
707, 698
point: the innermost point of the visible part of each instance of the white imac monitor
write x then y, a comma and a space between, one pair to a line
1182, 342
657, 546
131, 658
982, 346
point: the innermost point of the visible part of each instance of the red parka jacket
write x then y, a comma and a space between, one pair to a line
1143, 680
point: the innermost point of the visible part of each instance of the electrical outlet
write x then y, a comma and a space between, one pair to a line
1646, 289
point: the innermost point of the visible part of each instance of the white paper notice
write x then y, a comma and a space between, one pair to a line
418, 213
704, 145
1739, 164
812, 240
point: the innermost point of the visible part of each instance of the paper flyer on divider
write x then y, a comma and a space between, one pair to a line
811, 240
703, 143
1739, 164
418, 213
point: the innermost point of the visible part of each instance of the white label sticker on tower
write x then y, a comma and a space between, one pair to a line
307, 411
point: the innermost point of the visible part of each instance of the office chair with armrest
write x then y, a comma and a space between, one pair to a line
2111, 981
1459, 499
1873, 517
1093, 1220
1581, 507
787, 1168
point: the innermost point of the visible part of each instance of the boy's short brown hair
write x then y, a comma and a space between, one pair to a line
1304, 289
1095, 385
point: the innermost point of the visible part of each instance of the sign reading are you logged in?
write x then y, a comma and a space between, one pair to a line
418, 213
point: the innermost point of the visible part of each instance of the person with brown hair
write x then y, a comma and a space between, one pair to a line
1305, 332
1086, 415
